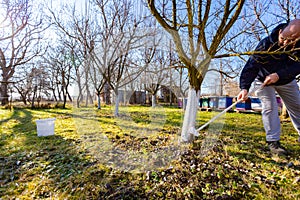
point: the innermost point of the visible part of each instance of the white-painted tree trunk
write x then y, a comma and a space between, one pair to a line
188, 128
117, 104
153, 101
183, 103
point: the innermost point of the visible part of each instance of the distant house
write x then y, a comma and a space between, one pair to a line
131, 97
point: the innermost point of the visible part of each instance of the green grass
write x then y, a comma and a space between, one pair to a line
94, 155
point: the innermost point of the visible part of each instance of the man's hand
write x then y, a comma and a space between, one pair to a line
243, 95
272, 78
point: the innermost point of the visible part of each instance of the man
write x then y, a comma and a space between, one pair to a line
276, 72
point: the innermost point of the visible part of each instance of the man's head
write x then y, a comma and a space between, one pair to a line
290, 33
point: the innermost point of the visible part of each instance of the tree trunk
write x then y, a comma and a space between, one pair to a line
69, 96
65, 101
24, 99
78, 101
99, 101
4, 93
33, 96
54, 95
153, 100
183, 103
79, 97
117, 104
188, 127
64, 96
87, 95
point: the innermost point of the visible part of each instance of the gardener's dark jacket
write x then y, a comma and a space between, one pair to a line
260, 66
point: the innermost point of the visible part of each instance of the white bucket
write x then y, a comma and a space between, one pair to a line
45, 127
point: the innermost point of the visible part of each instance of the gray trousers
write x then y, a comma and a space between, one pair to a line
290, 95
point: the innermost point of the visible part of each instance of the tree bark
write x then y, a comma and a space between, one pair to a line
153, 100
188, 128
117, 104
4, 93
99, 100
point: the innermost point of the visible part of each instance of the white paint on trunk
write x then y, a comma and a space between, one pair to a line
153, 101
183, 103
117, 105
188, 128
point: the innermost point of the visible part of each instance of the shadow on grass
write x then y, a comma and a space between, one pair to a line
53, 166
21, 122
56, 167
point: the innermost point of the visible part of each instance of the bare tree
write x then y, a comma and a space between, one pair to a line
156, 73
19, 42
224, 72
204, 25
180, 82
122, 34
157, 60
24, 85
83, 28
98, 82
33, 82
37, 86
60, 63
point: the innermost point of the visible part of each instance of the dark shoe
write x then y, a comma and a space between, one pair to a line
276, 148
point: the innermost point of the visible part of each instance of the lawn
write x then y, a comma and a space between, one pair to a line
94, 155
